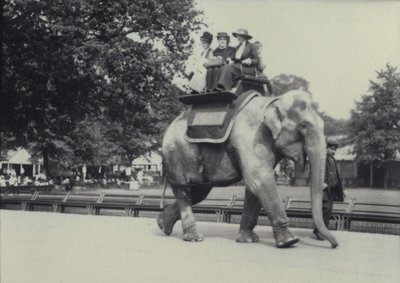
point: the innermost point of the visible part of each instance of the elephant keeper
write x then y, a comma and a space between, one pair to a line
333, 188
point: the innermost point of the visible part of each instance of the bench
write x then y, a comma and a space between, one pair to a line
19, 200
236, 208
78, 200
371, 212
214, 207
240, 85
348, 215
246, 82
46, 201
25, 189
208, 98
298, 208
126, 203
150, 203
295, 208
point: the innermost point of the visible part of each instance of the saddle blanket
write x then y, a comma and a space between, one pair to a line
213, 122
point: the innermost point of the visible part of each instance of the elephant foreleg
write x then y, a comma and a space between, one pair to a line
265, 190
277, 215
249, 218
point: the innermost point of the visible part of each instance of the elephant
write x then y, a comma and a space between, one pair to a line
263, 133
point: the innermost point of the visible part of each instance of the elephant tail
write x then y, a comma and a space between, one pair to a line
165, 183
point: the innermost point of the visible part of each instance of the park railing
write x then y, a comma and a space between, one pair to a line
349, 215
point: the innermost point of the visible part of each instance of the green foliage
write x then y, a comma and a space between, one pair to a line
375, 122
284, 83
78, 89
334, 127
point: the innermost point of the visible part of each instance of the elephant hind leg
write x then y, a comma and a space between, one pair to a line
186, 197
167, 219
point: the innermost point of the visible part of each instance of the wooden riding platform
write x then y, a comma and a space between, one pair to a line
240, 86
211, 114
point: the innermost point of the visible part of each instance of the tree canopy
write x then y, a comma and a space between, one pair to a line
283, 83
375, 121
334, 127
78, 88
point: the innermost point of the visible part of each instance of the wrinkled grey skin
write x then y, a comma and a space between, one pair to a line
261, 136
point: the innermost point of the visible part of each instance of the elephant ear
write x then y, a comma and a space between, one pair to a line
273, 118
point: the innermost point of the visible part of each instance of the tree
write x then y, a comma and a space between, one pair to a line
284, 83
376, 119
76, 87
334, 127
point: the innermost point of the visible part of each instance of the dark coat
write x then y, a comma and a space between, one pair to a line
333, 180
249, 51
228, 52
214, 65
231, 72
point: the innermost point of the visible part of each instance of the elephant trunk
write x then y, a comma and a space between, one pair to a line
317, 155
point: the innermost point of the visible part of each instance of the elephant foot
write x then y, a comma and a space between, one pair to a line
284, 238
247, 236
318, 236
190, 234
166, 222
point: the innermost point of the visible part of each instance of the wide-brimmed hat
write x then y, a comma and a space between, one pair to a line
223, 34
207, 37
243, 32
331, 143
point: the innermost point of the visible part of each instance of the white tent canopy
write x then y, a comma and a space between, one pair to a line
21, 156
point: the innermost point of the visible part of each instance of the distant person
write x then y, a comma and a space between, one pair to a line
2, 181
12, 181
333, 188
223, 54
68, 184
198, 71
140, 176
245, 61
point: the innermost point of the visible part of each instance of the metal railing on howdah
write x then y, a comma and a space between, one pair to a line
349, 215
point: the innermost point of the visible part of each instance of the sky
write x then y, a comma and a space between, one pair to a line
335, 45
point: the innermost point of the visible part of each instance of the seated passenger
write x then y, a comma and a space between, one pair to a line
198, 72
260, 65
245, 61
223, 54
261, 68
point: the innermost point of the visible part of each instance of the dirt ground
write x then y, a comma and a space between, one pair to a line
51, 247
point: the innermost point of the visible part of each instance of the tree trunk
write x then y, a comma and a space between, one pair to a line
385, 175
371, 172
46, 165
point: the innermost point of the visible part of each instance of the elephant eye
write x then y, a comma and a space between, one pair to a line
303, 125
